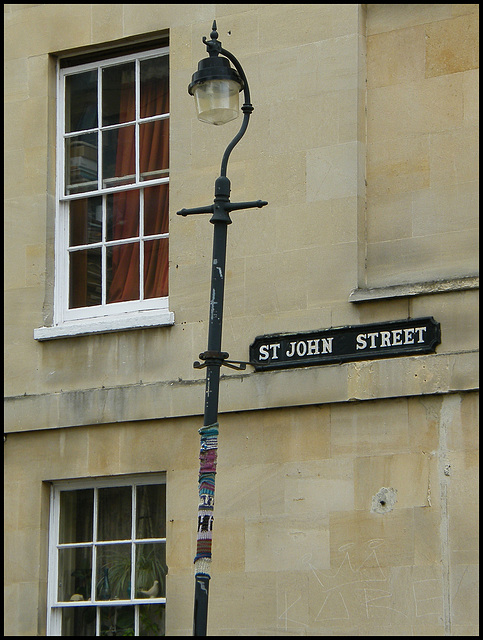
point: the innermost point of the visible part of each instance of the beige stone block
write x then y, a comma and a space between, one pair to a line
452, 45
22, 561
337, 63
463, 432
394, 262
320, 224
471, 96
55, 30
228, 546
253, 490
372, 541
328, 274
427, 533
293, 589
387, 17
464, 596
282, 67
293, 24
242, 603
319, 487
182, 492
107, 22
463, 500
395, 57
408, 474
454, 156
301, 134
445, 209
394, 309
281, 283
14, 171
347, 600
34, 265
458, 314
399, 167
179, 616
16, 87
104, 450
23, 618
301, 436
369, 428
180, 545
424, 416
332, 172
431, 105
388, 214
281, 543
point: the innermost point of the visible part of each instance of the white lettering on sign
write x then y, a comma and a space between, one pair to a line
264, 353
313, 347
393, 338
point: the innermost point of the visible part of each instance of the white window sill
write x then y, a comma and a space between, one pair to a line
106, 324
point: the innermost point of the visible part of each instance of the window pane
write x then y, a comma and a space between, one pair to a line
114, 514
81, 163
156, 209
85, 278
118, 165
117, 621
118, 94
156, 268
113, 573
151, 511
152, 620
78, 621
85, 221
151, 570
123, 272
76, 511
122, 215
154, 149
154, 86
75, 570
81, 101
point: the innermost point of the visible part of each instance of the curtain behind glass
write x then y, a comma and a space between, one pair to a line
154, 157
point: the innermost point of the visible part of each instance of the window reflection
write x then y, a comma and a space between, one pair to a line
118, 94
81, 101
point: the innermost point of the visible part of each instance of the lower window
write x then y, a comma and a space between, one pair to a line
107, 560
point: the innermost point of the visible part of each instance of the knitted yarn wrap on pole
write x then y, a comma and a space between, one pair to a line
206, 490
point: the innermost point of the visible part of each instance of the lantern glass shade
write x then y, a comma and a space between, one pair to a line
217, 100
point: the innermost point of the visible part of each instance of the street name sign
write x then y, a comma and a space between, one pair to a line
344, 344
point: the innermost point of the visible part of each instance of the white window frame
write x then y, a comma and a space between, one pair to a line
54, 606
119, 315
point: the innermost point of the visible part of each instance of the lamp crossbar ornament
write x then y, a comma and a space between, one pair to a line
216, 87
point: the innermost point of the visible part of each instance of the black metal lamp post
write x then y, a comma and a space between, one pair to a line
215, 86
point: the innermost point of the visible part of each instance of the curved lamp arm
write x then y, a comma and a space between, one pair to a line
247, 109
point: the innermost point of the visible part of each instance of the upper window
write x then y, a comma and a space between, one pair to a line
107, 561
113, 175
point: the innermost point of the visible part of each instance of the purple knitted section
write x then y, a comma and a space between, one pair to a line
206, 490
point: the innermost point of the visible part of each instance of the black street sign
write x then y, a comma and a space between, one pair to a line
343, 344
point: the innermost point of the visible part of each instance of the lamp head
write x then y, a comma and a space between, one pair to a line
216, 85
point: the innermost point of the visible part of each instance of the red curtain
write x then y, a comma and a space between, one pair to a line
154, 155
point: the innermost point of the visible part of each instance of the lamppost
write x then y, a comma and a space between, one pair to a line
215, 87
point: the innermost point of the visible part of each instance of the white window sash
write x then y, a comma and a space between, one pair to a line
104, 317
54, 606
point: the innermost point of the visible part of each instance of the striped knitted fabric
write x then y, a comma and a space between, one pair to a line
206, 491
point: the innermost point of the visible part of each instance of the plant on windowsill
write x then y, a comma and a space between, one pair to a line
150, 567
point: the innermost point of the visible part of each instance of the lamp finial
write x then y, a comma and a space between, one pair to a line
213, 46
